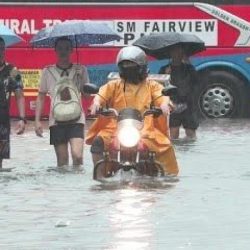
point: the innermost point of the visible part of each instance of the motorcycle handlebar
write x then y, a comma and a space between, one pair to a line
156, 112
108, 112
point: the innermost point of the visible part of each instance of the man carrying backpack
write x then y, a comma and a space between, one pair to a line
64, 83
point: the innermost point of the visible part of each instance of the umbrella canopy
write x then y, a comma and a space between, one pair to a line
159, 45
81, 33
9, 37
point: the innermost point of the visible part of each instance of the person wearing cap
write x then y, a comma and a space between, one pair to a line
10, 82
133, 90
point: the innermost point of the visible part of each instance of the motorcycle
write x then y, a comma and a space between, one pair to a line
127, 151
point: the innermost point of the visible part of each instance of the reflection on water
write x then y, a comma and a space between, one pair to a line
207, 207
130, 210
129, 220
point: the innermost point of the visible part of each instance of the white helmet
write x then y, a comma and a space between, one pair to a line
132, 54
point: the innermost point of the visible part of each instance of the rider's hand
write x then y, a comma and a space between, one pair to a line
20, 127
94, 108
165, 108
172, 106
39, 129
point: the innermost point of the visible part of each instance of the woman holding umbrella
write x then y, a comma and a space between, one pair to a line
178, 47
63, 131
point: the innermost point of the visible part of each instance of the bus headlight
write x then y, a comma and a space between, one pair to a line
128, 136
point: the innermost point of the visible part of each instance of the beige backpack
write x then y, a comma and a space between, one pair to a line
67, 105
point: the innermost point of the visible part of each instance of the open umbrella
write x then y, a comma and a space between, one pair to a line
80, 32
9, 37
159, 45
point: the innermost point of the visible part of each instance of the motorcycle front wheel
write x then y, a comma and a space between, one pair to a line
105, 169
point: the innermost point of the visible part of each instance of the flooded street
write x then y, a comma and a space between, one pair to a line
208, 208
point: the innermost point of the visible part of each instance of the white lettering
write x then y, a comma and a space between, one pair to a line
33, 29
131, 30
47, 22
14, 25
25, 28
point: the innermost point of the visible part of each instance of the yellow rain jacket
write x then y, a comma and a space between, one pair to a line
155, 131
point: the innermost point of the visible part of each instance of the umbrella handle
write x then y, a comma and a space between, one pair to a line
77, 55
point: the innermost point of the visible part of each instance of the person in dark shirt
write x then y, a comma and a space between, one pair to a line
184, 77
10, 82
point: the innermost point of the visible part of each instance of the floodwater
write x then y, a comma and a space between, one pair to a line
208, 208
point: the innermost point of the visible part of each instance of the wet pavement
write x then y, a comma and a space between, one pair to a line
208, 208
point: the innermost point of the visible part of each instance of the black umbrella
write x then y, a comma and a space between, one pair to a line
159, 45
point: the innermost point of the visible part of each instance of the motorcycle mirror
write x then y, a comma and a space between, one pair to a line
169, 90
90, 88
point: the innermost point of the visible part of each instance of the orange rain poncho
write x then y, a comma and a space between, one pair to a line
155, 131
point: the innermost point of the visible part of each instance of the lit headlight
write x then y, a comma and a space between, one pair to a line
129, 136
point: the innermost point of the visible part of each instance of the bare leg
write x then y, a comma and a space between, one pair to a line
62, 155
190, 134
174, 133
76, 145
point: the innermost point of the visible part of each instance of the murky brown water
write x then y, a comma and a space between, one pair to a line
207, 209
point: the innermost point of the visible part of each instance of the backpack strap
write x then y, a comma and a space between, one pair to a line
75, 72
54, 72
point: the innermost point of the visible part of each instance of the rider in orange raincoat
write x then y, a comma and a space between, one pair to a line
133, 90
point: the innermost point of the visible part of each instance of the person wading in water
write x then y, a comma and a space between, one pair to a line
184, 77
10, 82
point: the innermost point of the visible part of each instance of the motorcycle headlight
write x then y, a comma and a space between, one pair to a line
129, 136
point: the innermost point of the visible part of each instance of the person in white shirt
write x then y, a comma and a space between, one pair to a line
63, 134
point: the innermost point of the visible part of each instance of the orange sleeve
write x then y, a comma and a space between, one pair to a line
156, 89
107, 91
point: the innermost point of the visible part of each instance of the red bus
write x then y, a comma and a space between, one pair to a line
224, 67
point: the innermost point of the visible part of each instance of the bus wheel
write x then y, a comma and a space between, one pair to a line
221, 95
